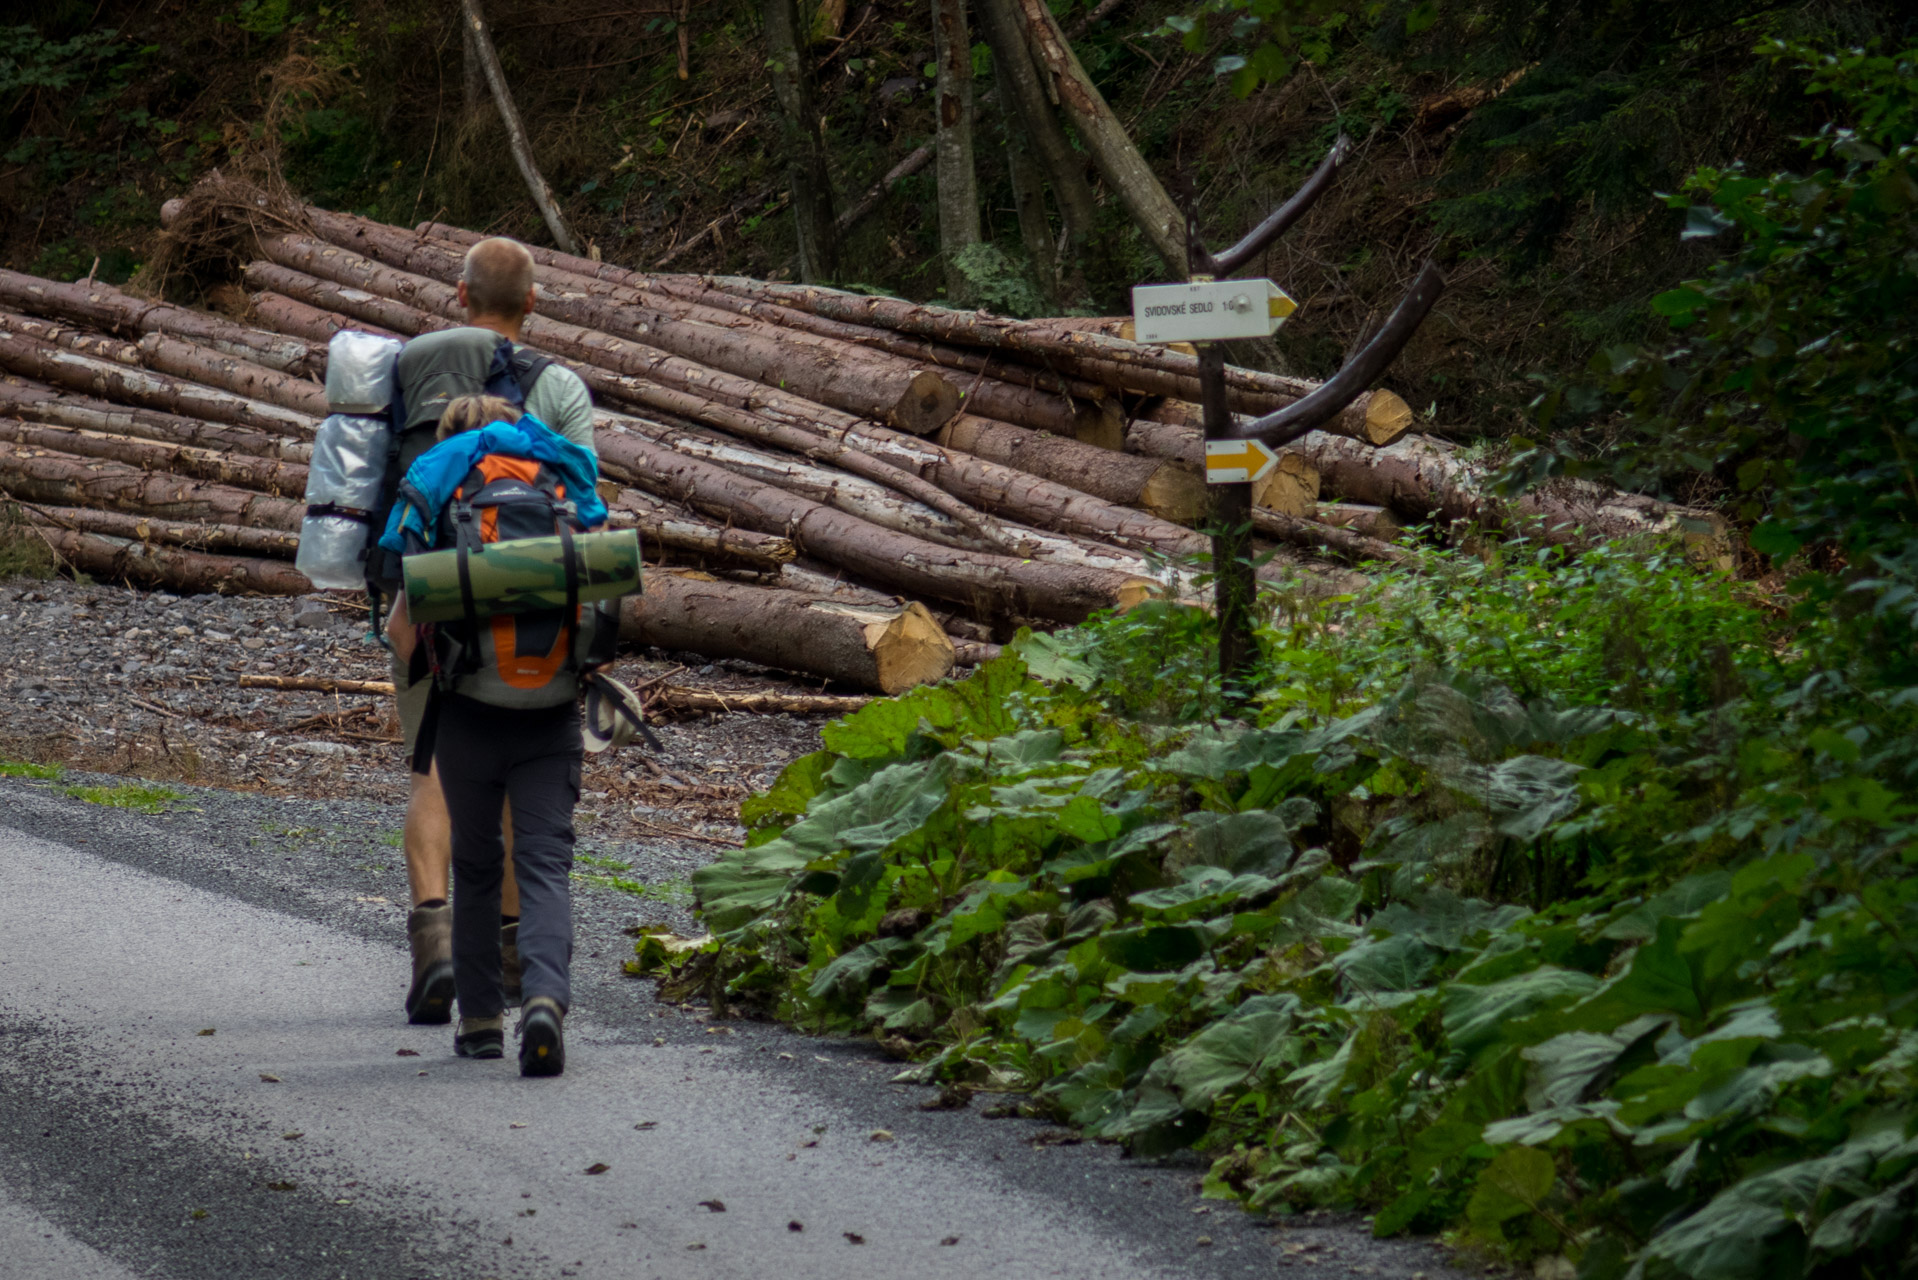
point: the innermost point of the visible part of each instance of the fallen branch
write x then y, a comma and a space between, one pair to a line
317, 684
676, 698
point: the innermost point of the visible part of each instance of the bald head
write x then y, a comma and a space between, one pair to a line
498, 276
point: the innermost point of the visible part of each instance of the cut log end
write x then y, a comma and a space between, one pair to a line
929, 403
1386, 418
1292, 488
909, 647
1176, 492
1101, 424
1135, 592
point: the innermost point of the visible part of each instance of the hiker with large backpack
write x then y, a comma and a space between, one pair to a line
507, 611
481, 358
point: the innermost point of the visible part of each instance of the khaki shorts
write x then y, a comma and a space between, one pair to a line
412, 700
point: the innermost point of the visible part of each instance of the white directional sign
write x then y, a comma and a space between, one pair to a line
1238, 461
1208, 310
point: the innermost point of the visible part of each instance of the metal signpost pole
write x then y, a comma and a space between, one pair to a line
1230, 512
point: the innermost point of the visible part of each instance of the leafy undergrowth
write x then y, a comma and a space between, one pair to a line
1568, 909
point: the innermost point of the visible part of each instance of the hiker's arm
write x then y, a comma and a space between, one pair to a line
400, 632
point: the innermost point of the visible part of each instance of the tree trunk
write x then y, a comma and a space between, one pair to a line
1172, 491
34, 401
1105, 139
664, 525
1064, 167
62, 480
369, 310
187, 360
584, 327
853, 495
1085, 410
262, 475
987, 583
1320, 539
1028, 180
1377, 418
914, 161
1122, 366
302, 321
125, 385
187, 572
230, 539
987, 486
482, 44
885, 650
1423, 480
900, 391
804, 150
997, 388
974, 653
472, 74
952, 109
1373, 522
101, 306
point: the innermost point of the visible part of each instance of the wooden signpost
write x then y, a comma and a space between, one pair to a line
1212, 307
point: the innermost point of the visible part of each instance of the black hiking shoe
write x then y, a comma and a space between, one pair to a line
542, 1045
430, 931
481, 1037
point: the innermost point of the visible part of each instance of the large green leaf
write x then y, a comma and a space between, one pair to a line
1477, 1017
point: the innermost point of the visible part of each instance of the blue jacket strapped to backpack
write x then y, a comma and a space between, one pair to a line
438, 472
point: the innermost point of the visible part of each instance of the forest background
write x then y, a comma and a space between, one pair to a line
1521, 141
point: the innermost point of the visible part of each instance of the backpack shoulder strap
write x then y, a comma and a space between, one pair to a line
527, 366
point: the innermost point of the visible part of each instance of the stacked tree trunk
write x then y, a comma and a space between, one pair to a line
826, 483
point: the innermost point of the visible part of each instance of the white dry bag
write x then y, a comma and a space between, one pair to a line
348, 470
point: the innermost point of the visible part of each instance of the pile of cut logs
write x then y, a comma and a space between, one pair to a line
844, 486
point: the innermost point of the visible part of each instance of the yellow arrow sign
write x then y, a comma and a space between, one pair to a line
1238, 461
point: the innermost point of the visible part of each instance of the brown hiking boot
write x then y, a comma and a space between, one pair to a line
430, 930
509, 962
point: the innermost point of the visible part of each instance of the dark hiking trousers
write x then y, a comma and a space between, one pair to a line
486, 754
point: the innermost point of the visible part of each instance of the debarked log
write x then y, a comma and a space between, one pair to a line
663, 525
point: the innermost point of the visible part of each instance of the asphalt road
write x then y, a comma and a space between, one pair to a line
204, 1071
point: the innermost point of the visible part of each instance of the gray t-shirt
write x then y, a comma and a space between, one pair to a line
561, 401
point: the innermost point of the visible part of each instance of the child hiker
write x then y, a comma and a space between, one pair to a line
503, 722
